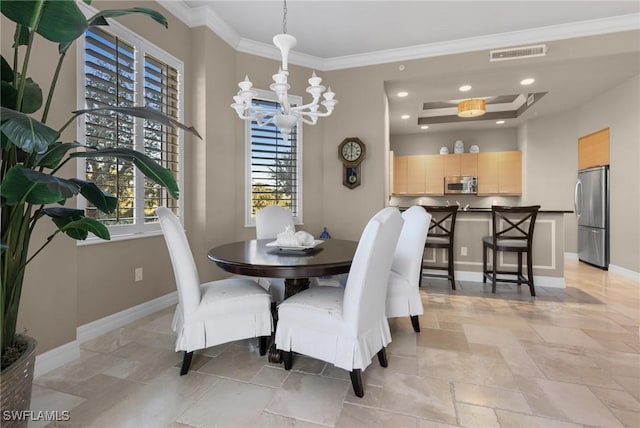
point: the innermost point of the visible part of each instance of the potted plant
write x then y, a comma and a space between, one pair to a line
32, 156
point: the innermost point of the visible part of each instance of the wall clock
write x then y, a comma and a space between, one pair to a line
351, 152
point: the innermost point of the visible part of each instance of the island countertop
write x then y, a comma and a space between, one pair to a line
488, 210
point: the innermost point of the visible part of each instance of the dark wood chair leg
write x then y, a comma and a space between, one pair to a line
356, 381
495, 268
415, 322
262, 343
452, 275
484, 263
420, 279
530, 273
520, 268
287, 359
186, 362
382, 357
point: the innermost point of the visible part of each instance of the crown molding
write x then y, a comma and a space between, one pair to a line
204, 16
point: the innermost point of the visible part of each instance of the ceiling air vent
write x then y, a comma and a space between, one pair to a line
517, 53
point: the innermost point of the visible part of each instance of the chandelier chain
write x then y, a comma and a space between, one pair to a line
284, 17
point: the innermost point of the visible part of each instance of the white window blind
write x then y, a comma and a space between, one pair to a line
274, 166
122, 73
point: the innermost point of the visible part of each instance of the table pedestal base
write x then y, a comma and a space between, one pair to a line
294, 286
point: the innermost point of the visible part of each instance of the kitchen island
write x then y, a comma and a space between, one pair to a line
474, 223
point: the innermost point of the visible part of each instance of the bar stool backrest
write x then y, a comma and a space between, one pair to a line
443, 221
514, 223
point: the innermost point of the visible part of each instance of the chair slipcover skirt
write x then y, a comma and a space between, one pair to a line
319, 310
230, 309
403, 298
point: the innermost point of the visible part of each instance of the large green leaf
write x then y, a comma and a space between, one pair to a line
31, 99
25, 132
148, 166
145, 113
59, 212
104, 201
61, 21
17, 187
55, 153
6, 72
67, 188
79, 226
100, 18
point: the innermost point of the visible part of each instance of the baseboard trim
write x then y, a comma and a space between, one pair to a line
68, 352
571, 256
111, 322
627, 273
56, 357
542, 281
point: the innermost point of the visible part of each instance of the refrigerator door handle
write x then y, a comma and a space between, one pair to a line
575, 200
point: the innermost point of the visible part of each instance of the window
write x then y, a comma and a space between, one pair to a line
274, 166
120, 69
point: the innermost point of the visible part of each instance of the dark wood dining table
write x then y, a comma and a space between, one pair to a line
255, 258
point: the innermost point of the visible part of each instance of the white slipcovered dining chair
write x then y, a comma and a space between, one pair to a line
270, 221
214, 312
403, 292
346, 326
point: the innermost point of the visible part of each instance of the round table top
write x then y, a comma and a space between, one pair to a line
254, 258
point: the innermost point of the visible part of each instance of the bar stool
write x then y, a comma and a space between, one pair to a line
510, 233
441, 234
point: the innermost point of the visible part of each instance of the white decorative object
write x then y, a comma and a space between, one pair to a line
285, 118
474, 149
444, 150
459, 147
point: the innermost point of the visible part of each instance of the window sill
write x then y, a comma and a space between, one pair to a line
118, 238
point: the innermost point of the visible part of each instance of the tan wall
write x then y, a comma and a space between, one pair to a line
619, 110
551, 162
488, 140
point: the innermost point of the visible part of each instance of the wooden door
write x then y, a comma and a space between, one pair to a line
415, 175
434, 174
593, 149
469, 164
488, 173
451, 165
400, 164
510, 173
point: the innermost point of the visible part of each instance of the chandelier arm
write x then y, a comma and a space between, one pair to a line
315, 102
317, 114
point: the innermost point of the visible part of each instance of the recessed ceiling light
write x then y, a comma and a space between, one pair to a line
403, 94
424, 127
464, 88
405, 116
499, 122
527, 81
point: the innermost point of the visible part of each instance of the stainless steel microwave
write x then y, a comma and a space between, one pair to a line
460, 184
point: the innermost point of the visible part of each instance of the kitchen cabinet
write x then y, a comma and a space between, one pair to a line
415, 175
434, 175
460, 164
593, 149
500, 173
400, 164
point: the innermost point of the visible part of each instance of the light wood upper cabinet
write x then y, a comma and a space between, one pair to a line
510, 173
500, 173
468, 164
593, 149
400, 164
451, 165
488, 173
415, 175
434, 174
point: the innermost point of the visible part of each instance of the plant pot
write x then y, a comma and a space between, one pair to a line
16, 381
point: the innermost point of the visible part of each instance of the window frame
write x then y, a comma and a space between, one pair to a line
142, 48
265, 95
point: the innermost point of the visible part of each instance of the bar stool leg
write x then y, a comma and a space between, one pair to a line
452, 275
520, 268
530, 273
484, 263
495, 268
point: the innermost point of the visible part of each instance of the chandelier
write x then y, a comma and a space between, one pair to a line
472, 108
287, 116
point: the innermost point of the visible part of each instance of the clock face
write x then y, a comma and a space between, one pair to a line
351, 151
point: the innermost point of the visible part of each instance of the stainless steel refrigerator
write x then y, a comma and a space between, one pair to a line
592, 210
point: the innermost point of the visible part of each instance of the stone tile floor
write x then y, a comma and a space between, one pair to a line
567, 358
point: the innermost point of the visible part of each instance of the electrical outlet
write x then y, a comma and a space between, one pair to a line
138, 274
463, 251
